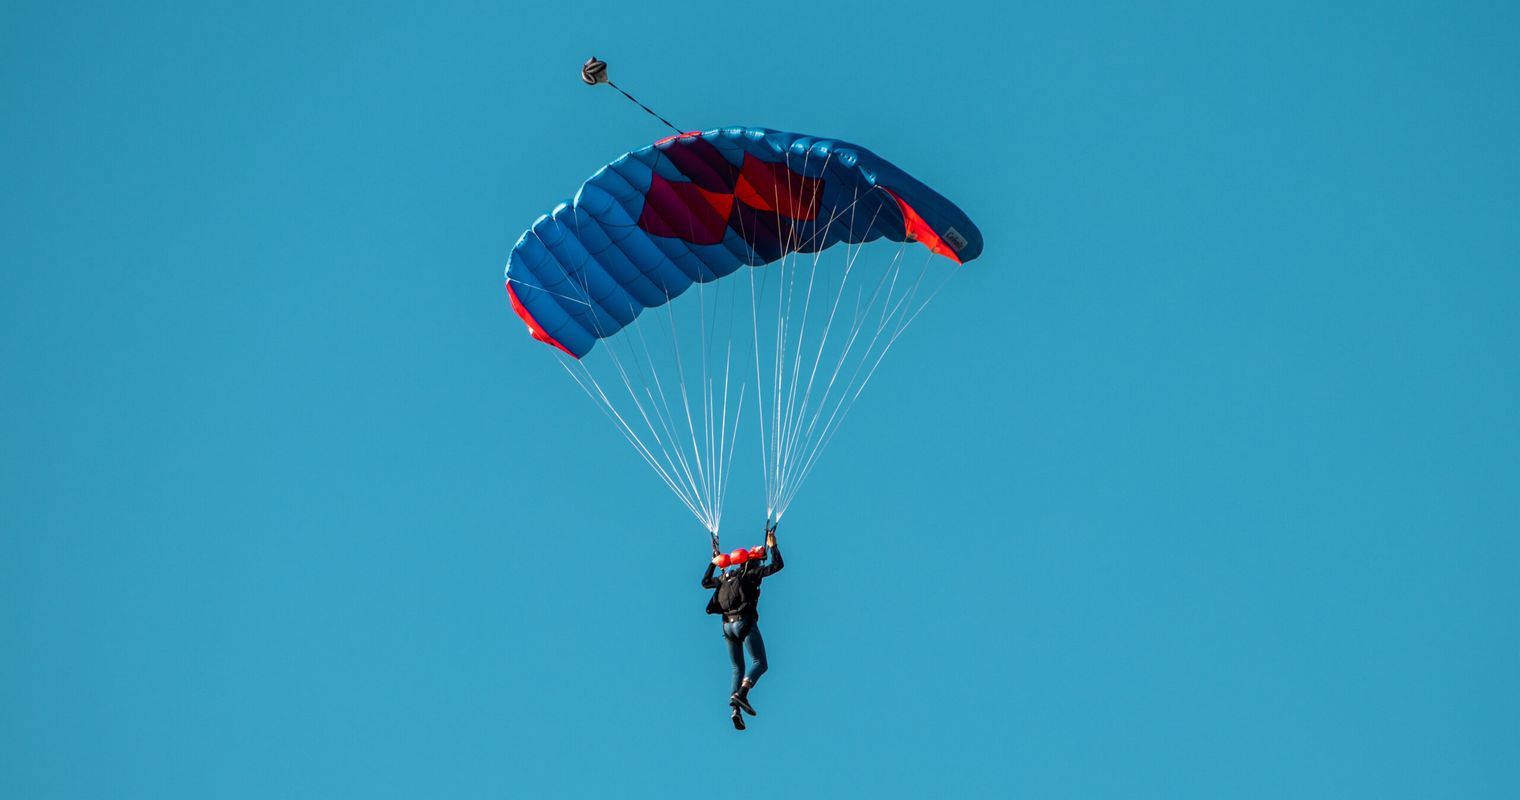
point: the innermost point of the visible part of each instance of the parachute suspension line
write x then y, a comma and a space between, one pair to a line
772, 444
787, 414
577, 300
795, 246
600, 397
755, 295
698, 477
691, 427
759, 385
721, 449
800, 438
649, 374
715, 412
889, 279
706, 406
668, 415
905, 319
775, 368
786, 381
728, 449
667, 420
786, 285
673, 454
794, 422
850, 260
701, 454
711, 454
887, 310
856, 321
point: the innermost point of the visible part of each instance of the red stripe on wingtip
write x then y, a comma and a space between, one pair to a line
919, 230
533, 327
674, 137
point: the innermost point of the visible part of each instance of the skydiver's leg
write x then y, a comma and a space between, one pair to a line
756, 645
756, 654
733, 636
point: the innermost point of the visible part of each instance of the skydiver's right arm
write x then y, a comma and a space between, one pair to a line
707, 579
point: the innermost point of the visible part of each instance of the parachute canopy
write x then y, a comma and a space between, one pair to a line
697, 206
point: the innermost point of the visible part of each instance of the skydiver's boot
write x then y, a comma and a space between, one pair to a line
738, 719
741, 698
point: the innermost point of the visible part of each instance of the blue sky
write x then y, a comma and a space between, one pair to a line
1200, 483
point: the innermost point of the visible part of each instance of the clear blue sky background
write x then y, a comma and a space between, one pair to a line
1200, 483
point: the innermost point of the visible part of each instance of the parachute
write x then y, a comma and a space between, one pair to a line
607, 280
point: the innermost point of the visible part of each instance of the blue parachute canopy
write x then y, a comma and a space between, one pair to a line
696, 207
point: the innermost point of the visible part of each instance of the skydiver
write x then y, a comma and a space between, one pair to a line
736, 596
